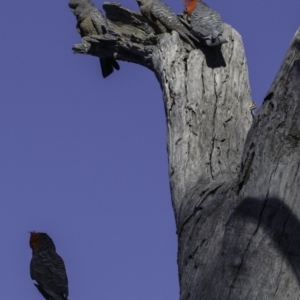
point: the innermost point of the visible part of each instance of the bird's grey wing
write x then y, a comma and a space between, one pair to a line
169, 19
206, 20
165, 15
99, 21
48, 269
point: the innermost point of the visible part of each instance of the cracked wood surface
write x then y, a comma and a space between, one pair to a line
237, 224
265, 229
243, 238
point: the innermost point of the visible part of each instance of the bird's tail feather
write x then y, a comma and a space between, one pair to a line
49, 295
44, 294
107, 65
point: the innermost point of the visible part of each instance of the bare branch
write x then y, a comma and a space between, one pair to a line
121, 48
133, 40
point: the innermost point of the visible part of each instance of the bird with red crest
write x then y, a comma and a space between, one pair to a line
206, 24
163, 19
47, 268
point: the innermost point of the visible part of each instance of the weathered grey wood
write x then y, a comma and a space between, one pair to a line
262, 248
243, 239
237, 223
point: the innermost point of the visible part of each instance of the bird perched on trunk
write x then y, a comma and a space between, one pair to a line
206, 24
90, 21
47, 268
162, 19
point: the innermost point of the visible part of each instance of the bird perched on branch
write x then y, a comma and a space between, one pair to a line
90, 21
206, 24
47, 268
162, 19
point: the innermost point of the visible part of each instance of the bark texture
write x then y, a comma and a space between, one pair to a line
234, 191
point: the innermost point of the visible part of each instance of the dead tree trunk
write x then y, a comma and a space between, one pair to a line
234, 191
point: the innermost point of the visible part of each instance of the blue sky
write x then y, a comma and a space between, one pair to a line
84, 159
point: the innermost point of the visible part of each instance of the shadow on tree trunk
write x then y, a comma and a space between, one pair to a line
278, 222
214, 56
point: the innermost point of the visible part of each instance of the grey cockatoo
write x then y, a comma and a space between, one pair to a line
162, 19
206, 23
47, 268
90, 21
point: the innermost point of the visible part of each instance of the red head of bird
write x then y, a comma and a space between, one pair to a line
189, 6
40, 241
